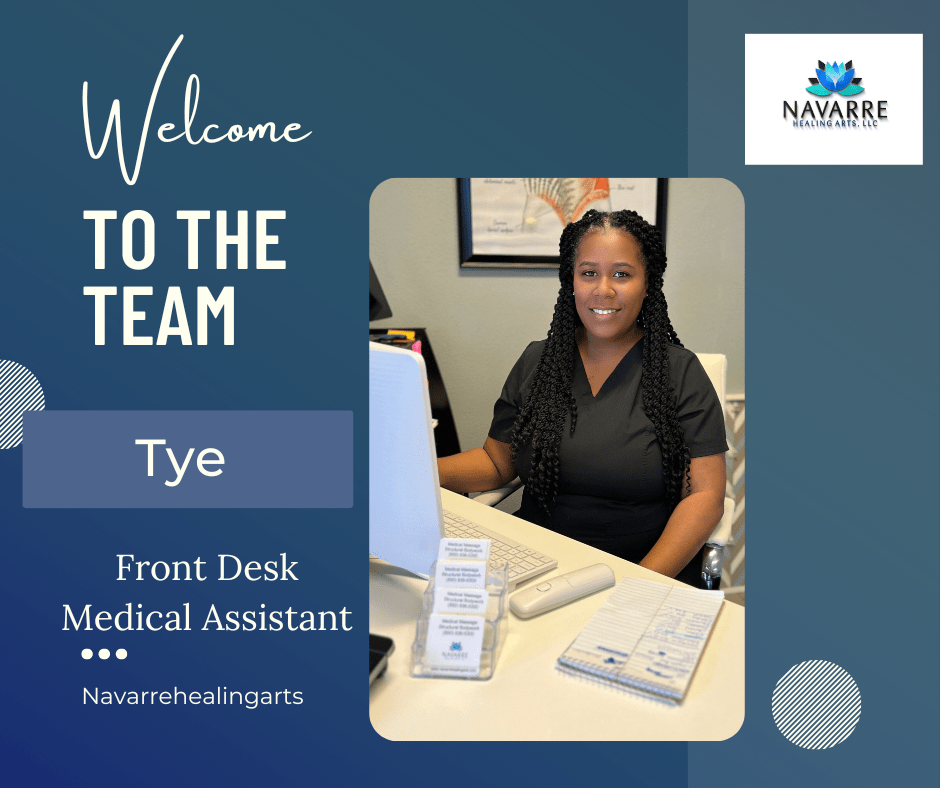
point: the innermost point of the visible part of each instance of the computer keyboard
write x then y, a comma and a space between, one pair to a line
524, 562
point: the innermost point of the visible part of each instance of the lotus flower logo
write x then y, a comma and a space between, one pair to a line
835, 78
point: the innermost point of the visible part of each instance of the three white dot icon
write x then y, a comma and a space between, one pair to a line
104, 653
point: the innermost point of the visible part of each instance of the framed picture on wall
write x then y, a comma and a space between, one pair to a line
516, 222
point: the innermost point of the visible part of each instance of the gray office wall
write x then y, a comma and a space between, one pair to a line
480, 320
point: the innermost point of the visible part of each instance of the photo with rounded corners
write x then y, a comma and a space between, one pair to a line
463, 278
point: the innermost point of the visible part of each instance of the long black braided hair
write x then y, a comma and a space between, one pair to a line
542, 418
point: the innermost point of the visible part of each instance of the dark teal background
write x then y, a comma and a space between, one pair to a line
842, 335
842, 325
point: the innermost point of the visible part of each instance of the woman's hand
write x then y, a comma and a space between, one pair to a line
693, 520
478, 470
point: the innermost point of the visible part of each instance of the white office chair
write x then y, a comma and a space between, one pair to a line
716, 367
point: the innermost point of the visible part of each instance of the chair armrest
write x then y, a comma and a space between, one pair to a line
493, 497
722, 533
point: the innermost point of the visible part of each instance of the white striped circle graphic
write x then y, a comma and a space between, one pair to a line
19, 392
816, 705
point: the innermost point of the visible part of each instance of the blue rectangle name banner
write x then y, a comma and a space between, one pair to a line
188, 459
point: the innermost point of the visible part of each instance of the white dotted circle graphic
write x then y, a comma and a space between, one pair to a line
87, 653
104, 654
19, 392
816, 705
121, 653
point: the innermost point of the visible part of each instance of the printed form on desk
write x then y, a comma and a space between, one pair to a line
646, 638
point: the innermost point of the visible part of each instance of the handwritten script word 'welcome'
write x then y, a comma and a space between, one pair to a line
234, 134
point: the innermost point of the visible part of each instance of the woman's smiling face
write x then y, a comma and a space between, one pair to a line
609, 285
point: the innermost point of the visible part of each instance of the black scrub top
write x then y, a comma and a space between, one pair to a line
611, 493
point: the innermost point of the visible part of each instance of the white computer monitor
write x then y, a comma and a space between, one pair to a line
405, 521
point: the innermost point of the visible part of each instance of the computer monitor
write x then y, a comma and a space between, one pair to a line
405, 520
378, 303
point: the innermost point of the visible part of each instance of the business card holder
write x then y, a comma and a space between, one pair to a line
453, 657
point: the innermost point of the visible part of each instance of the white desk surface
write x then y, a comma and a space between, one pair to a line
527, 698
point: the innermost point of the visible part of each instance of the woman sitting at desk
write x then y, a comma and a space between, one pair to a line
613, 426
